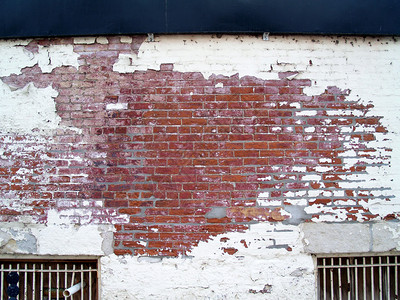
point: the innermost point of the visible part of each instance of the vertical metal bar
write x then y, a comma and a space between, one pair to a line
65, 277
90, 282
82, 282
372, 279
2, 282
324, 272
349, 261
365, 279
34, 282
355, 279
26, 274
17, 269
396, 288
49, 282
388, 277
331, 269
340, 278
58, 282
380, 279
41, 282
73, 278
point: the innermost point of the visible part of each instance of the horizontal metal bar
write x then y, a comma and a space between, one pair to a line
46, 271
357, 266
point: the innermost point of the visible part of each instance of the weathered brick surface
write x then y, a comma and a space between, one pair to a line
156, 153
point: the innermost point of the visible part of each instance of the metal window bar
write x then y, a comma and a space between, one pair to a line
365, 277
48, 280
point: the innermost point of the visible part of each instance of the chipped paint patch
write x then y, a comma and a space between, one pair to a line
15, 57
84, 40
116, 106
55, 56
28, 110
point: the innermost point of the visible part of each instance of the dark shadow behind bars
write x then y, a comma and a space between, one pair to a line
363, 277
48, 279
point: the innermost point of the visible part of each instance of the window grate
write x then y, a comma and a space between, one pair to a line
48, 280
363, 277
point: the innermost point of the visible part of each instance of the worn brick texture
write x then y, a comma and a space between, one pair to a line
172, 158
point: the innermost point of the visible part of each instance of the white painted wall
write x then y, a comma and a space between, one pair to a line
255, 272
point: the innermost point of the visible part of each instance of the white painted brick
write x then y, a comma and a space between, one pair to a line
116, 106
84, 40
102, 40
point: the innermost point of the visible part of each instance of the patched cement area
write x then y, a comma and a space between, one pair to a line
56, 238
351, 237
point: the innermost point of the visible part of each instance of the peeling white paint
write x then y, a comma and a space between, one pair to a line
15, 57
125, 39
56, 238
85, 40
328, 214
55, 56
213, 274
102, 40
116, 106
312, 177
379, 206
307, 113
27, 110
61, 238
86, 216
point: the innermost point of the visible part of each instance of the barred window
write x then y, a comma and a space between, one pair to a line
48, 279
358, 277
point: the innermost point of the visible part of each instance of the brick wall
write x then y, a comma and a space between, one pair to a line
171, 158
219, 162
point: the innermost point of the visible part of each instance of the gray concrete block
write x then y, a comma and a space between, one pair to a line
336, 237
385, 236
